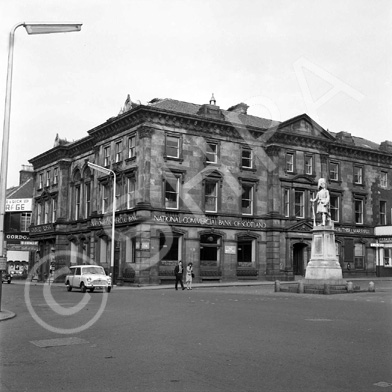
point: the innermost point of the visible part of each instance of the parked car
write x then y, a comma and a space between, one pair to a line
5, 277
88, 277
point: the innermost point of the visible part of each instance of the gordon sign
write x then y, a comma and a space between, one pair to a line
19, 205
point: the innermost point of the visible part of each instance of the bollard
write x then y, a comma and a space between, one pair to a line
350, 288
277, 286
326, 288
372, 289
301, 287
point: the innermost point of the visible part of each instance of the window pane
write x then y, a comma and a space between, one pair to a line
244, 251
246, 158
247, 199
211, 196
211, 153
171, 193
299, 204
172, 146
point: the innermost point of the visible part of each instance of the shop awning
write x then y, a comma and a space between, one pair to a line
17, 255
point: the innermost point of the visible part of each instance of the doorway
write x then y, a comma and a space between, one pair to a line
299, 258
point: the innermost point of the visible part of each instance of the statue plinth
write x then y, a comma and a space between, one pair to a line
323, 265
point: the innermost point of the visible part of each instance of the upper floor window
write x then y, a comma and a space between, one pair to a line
289, 162
87, 199
46, 212
384, 179
47, 182
171, 192
131, 187
77, 202
299, 204
383, 212
309, 164
247, 199
25, 221
105, 197
334, 171
358, 211
41, 181
247, 159
39, 213
132, 146
54, 210
106, 156
211, 196
334, 208
286, 202
172, 146
212, 153
55, 176
118, 151
358, 171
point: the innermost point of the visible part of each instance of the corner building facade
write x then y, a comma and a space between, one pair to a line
225, 190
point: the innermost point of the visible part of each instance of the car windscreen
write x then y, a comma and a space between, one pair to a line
93, 270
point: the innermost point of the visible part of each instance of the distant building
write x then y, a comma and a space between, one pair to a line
21, 251
220, 188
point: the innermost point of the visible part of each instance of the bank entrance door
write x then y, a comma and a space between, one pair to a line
299, 259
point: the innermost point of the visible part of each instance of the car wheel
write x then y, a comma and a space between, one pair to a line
107, 289
91, 290
69, 287
83, 288
9, 281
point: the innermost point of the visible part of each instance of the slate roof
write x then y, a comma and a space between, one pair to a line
23, 191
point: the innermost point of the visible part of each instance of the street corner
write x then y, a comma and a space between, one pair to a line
6, 314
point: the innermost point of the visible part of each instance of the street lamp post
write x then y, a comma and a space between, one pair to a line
31, 28
109, 172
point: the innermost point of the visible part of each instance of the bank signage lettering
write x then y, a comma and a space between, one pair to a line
352, 230
204, 221
107, 220
41, 228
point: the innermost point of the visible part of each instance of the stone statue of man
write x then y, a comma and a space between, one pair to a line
322, 199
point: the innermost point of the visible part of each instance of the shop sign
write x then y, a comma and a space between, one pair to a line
385, 239
41, 228
210, 222
230, 250
3, 264
16, 205
16, 238
376, 245
22, 247
107, 220
353, 230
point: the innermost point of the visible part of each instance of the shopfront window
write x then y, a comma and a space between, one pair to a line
358, 256
170, 247
387, 257
245, 251
210, 245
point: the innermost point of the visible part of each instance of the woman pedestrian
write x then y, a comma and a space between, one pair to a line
189, 276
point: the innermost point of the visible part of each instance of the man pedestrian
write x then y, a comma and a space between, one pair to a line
178, 272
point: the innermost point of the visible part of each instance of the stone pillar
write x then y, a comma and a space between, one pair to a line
144, 172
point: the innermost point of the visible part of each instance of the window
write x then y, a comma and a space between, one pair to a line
384, 179
212, 153
132, 146
299, 204
118, 151
210, 245
358, 175
39, 213
358, 256
171, 193
247, 199
131, 186
358, 211
46, 212
245, 251
106, 156
54, 210
387, 257
41, 181
286, 202
309, 164
172, 146
334, 171
289, 162
211, 196
77, 202
47, 183
105, 197
334, 207
169, 247
383, 213
246, 159
119, 192
55, 176
25, 221
87, 200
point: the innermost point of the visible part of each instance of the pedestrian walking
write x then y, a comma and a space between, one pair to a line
178, 272
189, 276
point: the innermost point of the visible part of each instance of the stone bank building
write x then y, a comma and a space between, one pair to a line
222, 189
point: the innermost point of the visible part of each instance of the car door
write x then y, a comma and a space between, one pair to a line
77, 277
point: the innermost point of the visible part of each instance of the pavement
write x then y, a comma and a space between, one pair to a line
6, 314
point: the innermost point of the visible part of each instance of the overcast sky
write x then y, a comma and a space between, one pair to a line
330, 59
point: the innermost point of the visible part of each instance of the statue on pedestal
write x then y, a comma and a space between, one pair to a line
322, 199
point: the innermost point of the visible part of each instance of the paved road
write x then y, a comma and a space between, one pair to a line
208, 340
